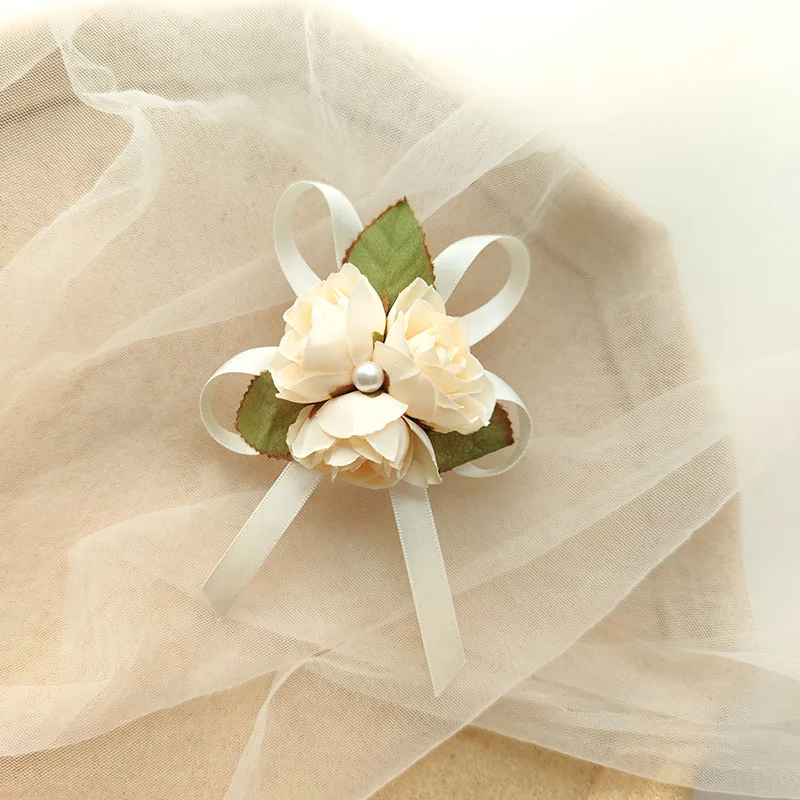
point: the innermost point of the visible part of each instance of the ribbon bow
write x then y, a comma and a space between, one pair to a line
427, 575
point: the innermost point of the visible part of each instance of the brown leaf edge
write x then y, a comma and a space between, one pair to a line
501, 418
287, 456
403, 199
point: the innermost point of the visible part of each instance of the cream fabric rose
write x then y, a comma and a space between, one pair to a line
373, 440
430, 368
329, 330
363, 439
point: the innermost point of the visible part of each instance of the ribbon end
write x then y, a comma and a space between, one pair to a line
442, 675
220, 600
430, 588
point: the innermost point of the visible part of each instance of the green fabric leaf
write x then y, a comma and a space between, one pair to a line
263, 419
391, 252
454, 449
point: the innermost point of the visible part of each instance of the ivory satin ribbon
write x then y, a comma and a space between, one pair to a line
412, 509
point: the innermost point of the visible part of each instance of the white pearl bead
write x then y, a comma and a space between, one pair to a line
368, 377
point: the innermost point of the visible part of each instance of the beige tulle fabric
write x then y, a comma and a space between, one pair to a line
605, 598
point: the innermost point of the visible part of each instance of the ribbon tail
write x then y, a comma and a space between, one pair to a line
430, 588
254, 542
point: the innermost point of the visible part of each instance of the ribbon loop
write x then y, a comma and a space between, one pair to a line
430, 588
346, 227
453, 262
250, 362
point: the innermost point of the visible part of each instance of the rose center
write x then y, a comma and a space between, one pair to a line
368, 377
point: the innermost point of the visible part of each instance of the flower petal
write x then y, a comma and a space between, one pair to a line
422, 317
422, 469
448, 420
291, 345
366, 450
391, 442
418, 394
396, 364
346, 279
305, 437
365, 317
295, 386
450, 383
418, 289
357, 414
396, 336
324, 354
341, 456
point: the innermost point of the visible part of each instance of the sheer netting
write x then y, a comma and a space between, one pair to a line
626, 594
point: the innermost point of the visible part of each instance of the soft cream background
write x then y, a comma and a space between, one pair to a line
707, 72
666, 186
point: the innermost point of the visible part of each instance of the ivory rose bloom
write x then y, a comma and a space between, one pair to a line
329, 330
427, 359
331, 360
363, 439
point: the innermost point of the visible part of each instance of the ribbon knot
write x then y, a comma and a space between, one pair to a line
413, 514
